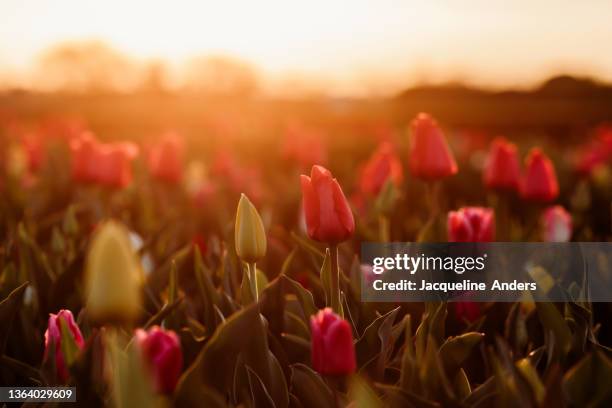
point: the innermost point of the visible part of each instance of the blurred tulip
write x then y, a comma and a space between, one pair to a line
162, 355
53, 338
556, 224
303, 146
430, 156
469, 311
166, 159
113, 165
540, 179
113, 276
502, 169
249, 234
238, 177
596, 154
34, 149
332, 347
328, 215
471, 224
383, 165
200, 241
107, 164
84, 153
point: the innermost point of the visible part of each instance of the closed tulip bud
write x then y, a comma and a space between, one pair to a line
332, 347
502, 169
249, 233
328, 215
556, 224
162, 357
382, 166
113, 276
471, 224
430, 156
166, 159
540, 180
53, 338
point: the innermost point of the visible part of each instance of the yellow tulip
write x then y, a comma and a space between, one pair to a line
113, 276
249, 235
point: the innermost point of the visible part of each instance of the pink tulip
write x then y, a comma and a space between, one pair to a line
471, 224
162, 355
332, 347
53, 337
557, 224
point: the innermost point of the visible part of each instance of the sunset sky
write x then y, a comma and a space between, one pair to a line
355, 46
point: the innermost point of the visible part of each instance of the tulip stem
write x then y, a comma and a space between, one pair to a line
432, 193
335, 281
252, 271
384, 228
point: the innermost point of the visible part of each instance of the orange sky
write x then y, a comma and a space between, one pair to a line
355, 46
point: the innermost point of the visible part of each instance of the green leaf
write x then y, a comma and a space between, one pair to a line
362, 394
242, 335
398, 397
589, 383
373, 347
309, 388
461, 384
530, 375
432, 374
132, 386
70, 349
208, 293
554, 323
307, 245
409, 373
287, 262
456, 350
163, 313
326, 278
8, 309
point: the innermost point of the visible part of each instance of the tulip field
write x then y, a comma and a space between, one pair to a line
222, 267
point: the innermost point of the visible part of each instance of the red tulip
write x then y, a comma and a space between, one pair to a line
502, 169
598, 152
557, 224
383, 165
469, 311
471, 224
333, 351
84, 150
430, 156
106, 164
166, 159
540, 180
113, 164
162, 355
328, 215
53, 335
34, 149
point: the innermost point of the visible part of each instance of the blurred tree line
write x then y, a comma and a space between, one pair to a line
96, 68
